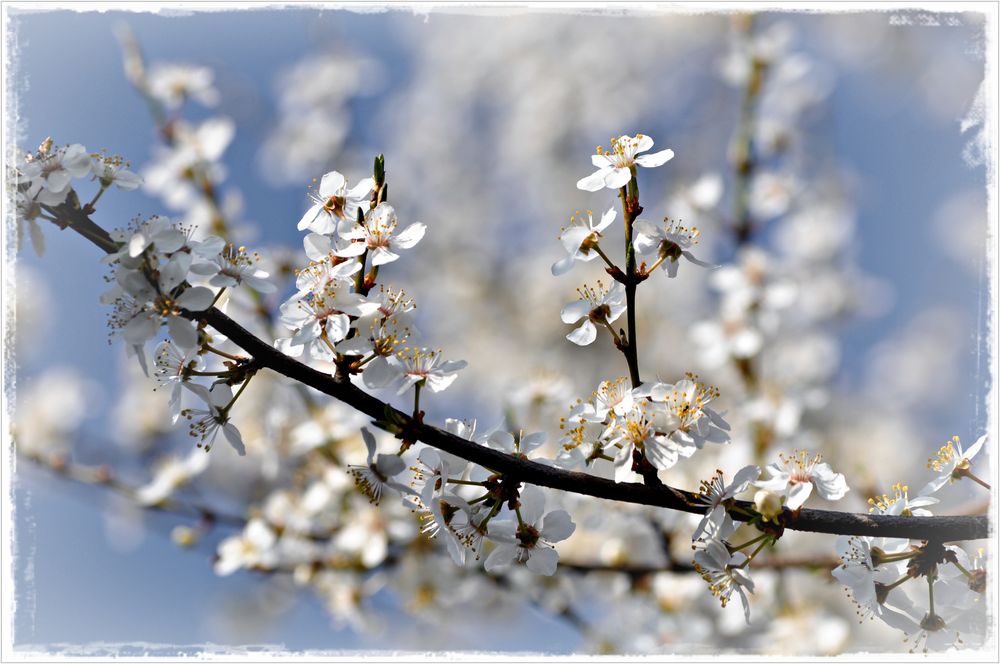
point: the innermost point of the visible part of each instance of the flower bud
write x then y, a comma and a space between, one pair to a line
768, 504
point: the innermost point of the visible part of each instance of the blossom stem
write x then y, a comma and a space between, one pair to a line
964, 571
930, 593
236, 396
416, 400
734, 549
464, 482
756, 551
896, 557
366, 360
520, 521
207, 373
978, 481
600, 252
97, 197
222, 353
658, 263
618, 340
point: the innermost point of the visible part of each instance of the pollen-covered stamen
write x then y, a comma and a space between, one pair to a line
204, 425
623, 150
712, 488
595, 296
236, 260
379, 229
393, 301
944, 456
611, 393
386, 337
171, 366
123, 310
573, 437
418, 362
687, 406
636, 427
577, 220
369, 481
885, 501
800, 466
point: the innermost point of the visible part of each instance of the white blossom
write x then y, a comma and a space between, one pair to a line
724, 572
529, 541
206, 423
597, 306
714, 493
670, 242
795, 476
615, 165
335, 203
580, 239
378, 236
375, 476
951, 462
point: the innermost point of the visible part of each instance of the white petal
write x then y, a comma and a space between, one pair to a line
501, 558
562, 266
655, 159
410, 235
309, 217
381, 256
583, 335
331, 184
317, 246
594, 181
644, 143
557, 526
543, 560
975, 447
574, 311
232, 434
617, 177
606, 219
798, 494
532, 504
198, 298
183, 332
379, 373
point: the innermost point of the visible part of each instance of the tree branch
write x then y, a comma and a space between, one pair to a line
938, 528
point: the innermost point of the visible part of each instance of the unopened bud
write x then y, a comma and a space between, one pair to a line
768, 505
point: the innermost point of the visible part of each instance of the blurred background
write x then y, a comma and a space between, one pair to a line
877, 213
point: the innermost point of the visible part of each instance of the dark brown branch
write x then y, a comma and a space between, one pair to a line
938, 528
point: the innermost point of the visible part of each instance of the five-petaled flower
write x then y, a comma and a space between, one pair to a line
335, 203
597, 306
614, 166
378, 235
796, 476
951, 462
580, 239
529, 540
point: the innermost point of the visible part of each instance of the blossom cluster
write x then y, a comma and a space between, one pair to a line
348, 508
